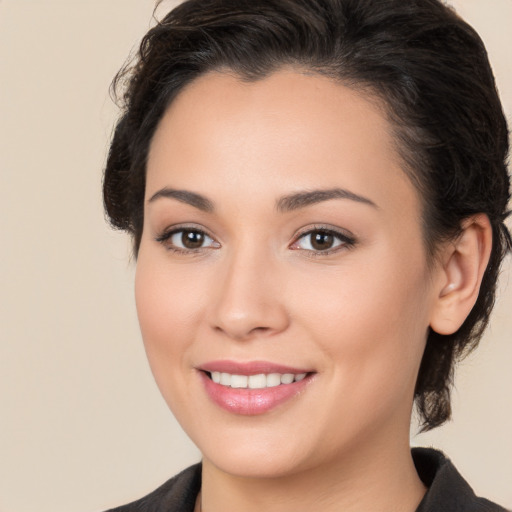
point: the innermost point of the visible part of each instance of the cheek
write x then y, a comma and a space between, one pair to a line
169, 305
168, 297
358, 299
371, 324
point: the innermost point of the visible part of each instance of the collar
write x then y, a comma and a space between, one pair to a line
447, 490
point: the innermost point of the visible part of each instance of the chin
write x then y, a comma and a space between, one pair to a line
252, 452
255, 465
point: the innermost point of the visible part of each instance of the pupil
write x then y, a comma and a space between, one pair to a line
322, 241
192, 239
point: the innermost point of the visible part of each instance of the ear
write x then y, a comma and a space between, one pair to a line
461, 269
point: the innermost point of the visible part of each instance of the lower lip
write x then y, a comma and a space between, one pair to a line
251, 402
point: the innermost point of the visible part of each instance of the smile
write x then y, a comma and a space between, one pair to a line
259, 381
255, 387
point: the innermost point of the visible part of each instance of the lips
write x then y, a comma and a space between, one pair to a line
252, 388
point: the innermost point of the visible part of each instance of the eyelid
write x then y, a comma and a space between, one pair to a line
164, 237
348, 239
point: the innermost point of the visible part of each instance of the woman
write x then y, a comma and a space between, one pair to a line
316, 191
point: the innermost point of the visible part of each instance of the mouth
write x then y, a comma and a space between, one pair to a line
258, 381
252, 388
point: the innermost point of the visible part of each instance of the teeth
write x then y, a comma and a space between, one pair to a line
259, 381
239, 381
287, 378
273, 379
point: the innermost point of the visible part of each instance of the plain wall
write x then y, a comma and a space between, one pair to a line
82, 425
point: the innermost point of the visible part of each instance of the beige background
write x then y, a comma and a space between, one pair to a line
82, 425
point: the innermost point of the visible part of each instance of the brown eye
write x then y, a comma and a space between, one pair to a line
320, 240
183, 240
192, 239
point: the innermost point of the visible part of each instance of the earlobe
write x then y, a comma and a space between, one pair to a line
463, 265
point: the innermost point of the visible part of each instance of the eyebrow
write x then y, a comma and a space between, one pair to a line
196, 200
286, 203
302, 199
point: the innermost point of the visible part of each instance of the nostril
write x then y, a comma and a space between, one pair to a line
261, 329
241, 331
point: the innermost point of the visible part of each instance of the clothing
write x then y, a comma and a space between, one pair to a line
447, 490
177, 494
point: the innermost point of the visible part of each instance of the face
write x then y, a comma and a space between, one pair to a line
282, 286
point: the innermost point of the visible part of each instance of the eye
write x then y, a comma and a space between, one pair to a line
187, 239
322, 240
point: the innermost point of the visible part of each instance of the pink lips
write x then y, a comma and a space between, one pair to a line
246, 401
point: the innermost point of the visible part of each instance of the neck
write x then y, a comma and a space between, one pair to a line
382, 480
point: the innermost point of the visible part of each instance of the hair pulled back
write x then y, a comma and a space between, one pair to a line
427, 67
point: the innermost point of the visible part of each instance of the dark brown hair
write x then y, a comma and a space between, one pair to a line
428, 67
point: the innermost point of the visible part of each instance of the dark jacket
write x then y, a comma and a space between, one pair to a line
447, 490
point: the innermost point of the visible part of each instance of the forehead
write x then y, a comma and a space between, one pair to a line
290, 130
286, 102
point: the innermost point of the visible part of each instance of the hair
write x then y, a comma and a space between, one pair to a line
426, 65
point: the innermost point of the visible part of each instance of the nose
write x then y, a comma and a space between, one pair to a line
250, 297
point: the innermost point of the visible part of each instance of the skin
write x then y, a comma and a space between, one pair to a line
357, 315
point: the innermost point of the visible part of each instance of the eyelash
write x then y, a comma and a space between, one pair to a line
345, 241
167, 235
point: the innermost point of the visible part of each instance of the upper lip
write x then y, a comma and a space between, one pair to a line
250, 367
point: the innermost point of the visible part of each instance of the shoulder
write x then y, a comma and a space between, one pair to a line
177, 494
447, 490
